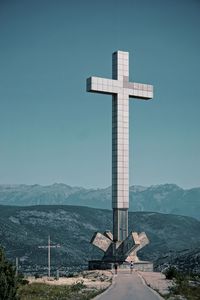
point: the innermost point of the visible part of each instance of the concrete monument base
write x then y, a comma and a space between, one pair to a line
120, 252
144, 266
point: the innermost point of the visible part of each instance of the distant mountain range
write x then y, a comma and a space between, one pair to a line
23, 229
166, 198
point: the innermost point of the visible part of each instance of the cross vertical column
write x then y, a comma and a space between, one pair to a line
121, 89
120, 148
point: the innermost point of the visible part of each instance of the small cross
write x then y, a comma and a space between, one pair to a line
49, 246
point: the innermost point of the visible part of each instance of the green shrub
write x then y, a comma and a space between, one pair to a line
21, 280
8, 281
78, 286
37, 276
185, 286
171, 273
70, 275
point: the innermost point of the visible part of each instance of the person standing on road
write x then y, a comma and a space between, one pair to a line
116, 267
131, 267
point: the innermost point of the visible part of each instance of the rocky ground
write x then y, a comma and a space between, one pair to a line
101, 280
98, 280
157, 281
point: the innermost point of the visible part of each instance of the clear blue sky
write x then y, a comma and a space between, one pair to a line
51, 130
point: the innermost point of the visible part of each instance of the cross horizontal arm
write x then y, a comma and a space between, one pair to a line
103, 85
112, 86
55, 246
139, 90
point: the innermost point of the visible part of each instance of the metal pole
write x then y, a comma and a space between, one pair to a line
57, 275
16, 264
49, 255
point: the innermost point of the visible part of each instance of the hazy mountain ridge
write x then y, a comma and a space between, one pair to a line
166, 198
23, 229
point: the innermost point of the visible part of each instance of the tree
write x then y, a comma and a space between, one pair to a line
8, 280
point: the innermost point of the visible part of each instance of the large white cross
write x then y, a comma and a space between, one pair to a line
121, 89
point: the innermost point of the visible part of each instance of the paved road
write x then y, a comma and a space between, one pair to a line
128, 286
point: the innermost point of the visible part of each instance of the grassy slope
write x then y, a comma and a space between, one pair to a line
39, 291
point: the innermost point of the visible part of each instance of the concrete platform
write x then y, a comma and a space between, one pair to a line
144, 266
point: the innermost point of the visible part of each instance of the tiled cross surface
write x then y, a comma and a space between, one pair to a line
121, 89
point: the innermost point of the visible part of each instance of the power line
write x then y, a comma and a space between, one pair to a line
49, 246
